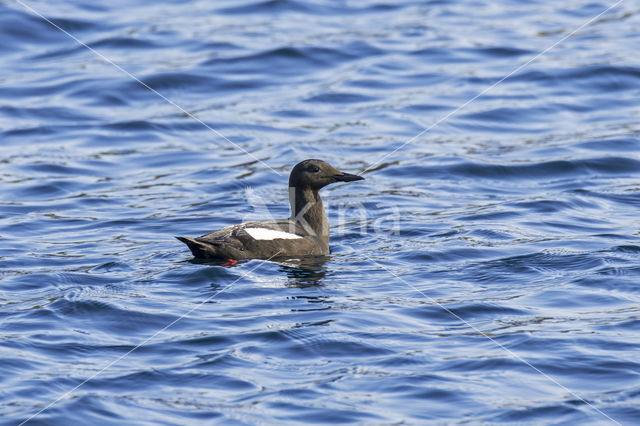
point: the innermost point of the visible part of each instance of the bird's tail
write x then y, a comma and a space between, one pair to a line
198, 248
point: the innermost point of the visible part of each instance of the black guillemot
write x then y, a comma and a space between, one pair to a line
305, 233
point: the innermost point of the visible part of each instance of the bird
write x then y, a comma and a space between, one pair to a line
304, 233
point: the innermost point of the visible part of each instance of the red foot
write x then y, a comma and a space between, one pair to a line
230, 262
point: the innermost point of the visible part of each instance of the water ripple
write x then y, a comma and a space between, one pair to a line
501, 242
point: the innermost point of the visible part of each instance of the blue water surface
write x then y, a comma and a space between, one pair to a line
486, 271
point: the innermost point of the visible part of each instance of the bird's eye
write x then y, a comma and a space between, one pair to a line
313, 169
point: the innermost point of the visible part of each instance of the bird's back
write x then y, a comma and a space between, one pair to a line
257, 240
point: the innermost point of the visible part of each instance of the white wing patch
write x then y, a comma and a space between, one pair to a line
270, 234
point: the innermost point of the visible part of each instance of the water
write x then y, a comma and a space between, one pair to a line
485, 272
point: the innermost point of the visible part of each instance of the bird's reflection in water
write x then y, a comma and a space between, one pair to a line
305, 272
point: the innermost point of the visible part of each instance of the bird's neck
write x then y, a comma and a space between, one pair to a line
308, 211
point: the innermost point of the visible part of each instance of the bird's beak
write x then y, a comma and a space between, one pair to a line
347, 177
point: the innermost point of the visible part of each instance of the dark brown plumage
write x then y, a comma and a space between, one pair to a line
305, 233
